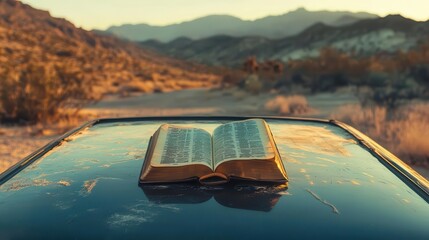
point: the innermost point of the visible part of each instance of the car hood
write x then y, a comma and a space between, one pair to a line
87, 186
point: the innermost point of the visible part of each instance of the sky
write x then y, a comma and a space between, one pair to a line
100, 14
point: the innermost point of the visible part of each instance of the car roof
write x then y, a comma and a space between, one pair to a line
85, 184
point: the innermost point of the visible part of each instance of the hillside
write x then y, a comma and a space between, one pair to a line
363, 38
275, 27
29, 36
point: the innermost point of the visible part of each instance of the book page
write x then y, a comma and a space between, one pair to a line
241, 140
182, 146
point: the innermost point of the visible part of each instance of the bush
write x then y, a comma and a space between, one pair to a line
390, 90
329, 82
404, 134
292, 105
37, 93
402, 72
252, 84
232, 78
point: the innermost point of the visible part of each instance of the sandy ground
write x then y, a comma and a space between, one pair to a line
209, 102
185, 102
18, 142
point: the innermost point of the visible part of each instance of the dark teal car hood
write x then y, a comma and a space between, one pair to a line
87, 187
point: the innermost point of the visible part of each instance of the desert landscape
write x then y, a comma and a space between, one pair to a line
371, 72
16, 142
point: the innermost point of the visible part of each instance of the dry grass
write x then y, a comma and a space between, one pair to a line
16, 142
404, 133
291, 105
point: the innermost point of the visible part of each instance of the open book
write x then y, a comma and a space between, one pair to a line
236, 150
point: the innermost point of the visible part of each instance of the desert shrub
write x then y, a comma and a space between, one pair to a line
135, 87
420, 72
37, 93
404, 134
291, 105
252, 84
389, 90
397, 72
412, 135
330, 70
376, 79
232, 78
329, 82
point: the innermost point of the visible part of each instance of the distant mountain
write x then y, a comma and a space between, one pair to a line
346, 20
28, 35
270, 27
363, 38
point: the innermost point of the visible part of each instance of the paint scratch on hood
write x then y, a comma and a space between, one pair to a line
334, 209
